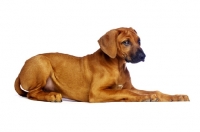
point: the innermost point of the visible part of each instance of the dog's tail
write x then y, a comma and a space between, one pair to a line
18, 88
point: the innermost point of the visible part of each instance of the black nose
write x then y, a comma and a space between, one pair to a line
141, 56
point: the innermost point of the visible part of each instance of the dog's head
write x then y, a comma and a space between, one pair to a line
124, 43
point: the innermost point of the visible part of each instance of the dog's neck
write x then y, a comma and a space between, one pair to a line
122, 64
117, 61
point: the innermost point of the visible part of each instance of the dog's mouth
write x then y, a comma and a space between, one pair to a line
138, 57
132, 61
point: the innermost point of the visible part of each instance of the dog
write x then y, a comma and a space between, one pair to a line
98, 77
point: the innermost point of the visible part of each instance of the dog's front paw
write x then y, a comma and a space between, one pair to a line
180, 98
154, 98
169, 98
151, 98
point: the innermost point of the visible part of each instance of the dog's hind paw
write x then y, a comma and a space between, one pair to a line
54, 97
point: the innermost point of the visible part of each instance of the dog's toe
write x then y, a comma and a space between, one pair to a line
54, 97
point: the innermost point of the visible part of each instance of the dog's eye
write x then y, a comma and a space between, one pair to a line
126, 42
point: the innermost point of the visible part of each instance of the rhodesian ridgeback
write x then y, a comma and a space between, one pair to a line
98, 77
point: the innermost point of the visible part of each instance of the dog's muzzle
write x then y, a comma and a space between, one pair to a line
139, 56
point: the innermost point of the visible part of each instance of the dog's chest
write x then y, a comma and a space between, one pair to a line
119, 82
122, 76
120, 86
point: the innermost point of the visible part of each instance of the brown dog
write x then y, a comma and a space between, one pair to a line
99, 77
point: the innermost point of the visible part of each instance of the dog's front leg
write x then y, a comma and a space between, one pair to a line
113, 95
163, 97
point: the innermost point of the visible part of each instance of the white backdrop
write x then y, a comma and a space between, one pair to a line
169, 32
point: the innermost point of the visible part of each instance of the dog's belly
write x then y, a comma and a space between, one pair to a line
49, 85
81, 94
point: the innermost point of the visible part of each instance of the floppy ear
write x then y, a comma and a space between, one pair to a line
108, 43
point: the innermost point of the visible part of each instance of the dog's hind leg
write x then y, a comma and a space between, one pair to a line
41, 95
34, 78
45, 93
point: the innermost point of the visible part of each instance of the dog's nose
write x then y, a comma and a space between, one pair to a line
141, 56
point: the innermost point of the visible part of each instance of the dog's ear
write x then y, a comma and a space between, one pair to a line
108, 43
